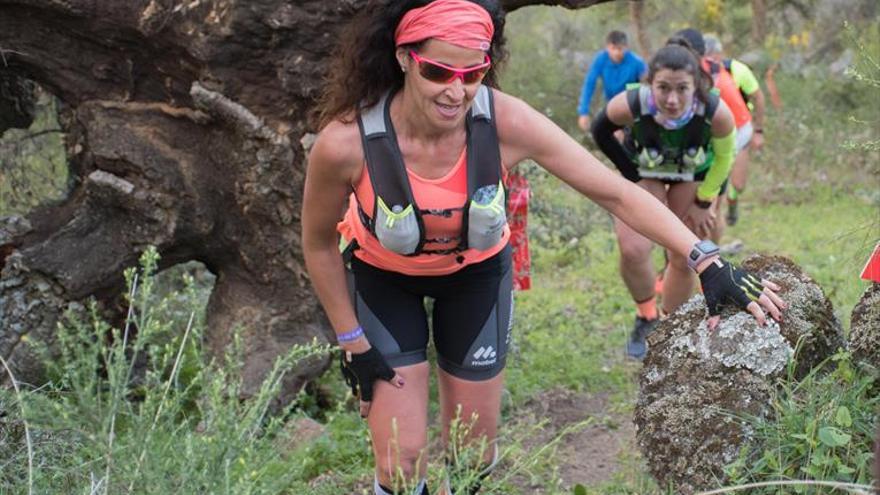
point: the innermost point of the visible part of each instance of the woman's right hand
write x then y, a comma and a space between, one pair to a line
362, 369
725, 283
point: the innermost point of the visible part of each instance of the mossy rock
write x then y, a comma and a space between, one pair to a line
864, 330
697, 386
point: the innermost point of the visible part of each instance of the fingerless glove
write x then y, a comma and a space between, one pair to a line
361, 370
725, 283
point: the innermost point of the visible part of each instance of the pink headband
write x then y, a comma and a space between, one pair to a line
459, 22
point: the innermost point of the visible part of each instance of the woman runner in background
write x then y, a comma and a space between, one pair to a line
679, 146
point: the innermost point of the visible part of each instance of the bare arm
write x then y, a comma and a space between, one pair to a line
757, 99
525, 133
334, 161
618, 110
722, 122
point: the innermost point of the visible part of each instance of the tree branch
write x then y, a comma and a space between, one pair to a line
511, 5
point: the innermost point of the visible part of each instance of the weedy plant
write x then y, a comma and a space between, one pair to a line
865, 73
517, 463
137, 410
466, 460
819, 437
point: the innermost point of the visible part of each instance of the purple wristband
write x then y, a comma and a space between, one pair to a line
350, 336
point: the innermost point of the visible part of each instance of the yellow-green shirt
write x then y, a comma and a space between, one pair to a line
744, 77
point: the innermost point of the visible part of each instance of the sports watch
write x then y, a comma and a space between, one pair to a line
701, 251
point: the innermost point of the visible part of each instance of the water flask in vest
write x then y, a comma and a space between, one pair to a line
694, 157
650, 158
486, 217
397, 227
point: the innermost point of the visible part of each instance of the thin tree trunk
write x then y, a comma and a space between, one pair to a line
759, 21
636, 11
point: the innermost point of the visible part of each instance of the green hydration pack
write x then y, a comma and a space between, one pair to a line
654, 148
397, 221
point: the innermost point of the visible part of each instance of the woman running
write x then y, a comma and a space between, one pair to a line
679, 146
417, 140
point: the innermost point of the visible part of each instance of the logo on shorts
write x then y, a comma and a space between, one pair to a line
484, 356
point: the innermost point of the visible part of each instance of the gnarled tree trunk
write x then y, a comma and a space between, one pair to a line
183, 126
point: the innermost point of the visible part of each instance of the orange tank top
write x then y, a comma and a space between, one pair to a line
729, 92
441, 232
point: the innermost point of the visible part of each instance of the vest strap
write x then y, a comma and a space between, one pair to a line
397, 220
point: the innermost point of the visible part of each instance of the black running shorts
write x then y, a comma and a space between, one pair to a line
471, 318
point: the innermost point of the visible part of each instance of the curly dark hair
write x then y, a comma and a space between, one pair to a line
679, 55
366, 67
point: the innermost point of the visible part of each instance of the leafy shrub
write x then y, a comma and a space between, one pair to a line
100, 429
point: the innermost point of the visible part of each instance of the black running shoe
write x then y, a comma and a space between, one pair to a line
636, 347
732, 212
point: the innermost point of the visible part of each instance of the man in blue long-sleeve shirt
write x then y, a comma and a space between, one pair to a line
617, 66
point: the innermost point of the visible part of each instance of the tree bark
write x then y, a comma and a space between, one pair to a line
759, 21
636, 11
184, 123
511, 5
17, 102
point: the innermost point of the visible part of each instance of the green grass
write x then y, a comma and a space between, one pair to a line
829, 237
823, 429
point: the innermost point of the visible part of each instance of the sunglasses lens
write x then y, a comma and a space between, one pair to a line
435, 73
474, 76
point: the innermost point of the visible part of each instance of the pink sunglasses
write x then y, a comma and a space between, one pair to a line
444, 74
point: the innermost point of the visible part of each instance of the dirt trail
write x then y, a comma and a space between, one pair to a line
590, 455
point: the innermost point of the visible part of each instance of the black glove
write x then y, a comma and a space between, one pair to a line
725, 283
363, 370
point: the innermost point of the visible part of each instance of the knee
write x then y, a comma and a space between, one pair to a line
401, 463
633, 251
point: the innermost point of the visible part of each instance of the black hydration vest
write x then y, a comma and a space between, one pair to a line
655, 158
397, 220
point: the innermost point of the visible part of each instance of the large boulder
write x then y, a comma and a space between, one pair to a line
697, 385
864, 330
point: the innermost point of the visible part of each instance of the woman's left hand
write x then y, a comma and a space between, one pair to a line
701, 221
757, 142
725, 283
